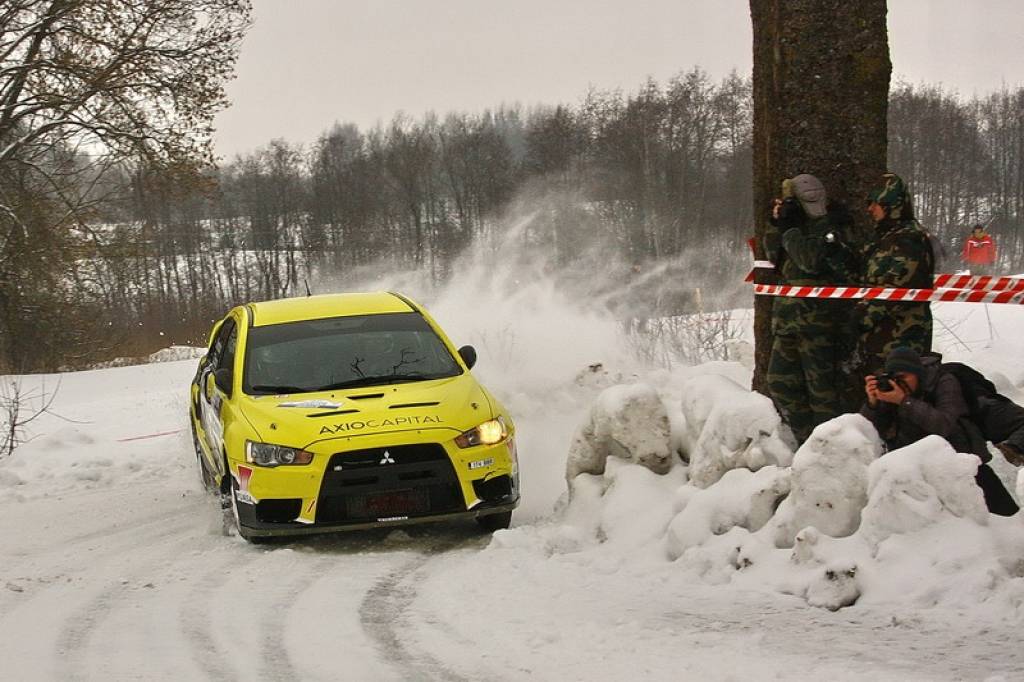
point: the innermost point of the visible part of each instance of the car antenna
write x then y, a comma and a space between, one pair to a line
306, 282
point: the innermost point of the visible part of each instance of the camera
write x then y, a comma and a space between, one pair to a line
884, 381
788, 213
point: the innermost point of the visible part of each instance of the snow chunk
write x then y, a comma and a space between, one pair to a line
835, 587
729, 427
598, 376
628, 422
740, 498
919, 485
830, 480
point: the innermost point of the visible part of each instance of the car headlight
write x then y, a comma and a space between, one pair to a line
269, 455
488, 433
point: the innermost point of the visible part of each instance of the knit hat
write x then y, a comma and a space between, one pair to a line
892, 196
903, 359
809, 191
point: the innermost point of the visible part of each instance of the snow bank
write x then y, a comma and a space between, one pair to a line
169, 354
836, 524
105, 429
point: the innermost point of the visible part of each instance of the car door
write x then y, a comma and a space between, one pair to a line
211, 399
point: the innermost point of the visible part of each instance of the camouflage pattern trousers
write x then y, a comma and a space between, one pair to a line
805, 381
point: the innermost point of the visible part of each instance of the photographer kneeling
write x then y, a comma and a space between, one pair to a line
914, 398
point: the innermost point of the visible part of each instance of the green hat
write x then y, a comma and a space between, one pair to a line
892, 196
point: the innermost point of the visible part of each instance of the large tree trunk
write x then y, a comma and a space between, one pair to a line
821, 83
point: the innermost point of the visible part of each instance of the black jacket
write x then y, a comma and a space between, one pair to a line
937, 408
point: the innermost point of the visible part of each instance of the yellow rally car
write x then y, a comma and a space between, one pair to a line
348, 411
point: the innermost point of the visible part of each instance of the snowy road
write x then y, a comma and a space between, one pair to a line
140, 584
116, 567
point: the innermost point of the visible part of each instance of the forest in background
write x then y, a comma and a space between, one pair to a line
616, 183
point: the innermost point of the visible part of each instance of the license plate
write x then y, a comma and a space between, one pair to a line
391, 503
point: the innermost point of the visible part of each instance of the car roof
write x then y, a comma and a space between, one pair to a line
327, 305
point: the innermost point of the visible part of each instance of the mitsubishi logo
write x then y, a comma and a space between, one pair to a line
387, 459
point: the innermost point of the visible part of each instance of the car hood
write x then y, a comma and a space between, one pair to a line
456, 404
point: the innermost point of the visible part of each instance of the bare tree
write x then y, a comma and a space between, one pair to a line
18, 409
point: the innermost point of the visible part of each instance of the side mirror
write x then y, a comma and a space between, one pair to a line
223, 377
468, 355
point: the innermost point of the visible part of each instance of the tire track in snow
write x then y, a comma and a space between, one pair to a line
194, 618
72, 643
275, 661
384, 615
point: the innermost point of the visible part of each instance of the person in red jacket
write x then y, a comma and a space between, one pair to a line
979, 252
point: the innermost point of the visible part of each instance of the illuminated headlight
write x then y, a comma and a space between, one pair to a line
268, 455
488, 433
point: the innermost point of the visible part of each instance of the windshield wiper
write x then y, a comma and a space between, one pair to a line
378, 380
274, 389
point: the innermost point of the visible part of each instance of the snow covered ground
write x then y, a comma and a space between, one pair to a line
116, 565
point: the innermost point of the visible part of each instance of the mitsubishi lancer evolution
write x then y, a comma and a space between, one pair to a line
347, 411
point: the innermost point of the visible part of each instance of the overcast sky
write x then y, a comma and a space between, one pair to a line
306, 64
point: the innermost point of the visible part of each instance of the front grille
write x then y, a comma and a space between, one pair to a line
420, 453
401, 480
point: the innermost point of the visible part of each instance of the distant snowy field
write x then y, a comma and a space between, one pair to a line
116, 565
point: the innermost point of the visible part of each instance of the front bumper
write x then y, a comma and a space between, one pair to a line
254, 527
379, 484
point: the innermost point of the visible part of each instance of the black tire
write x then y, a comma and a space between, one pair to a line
205, 477
493, 522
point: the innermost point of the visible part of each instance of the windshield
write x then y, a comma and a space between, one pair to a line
343, 352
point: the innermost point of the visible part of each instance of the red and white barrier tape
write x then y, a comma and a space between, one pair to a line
979, 283
758, 265
149, 435
881, 293
942, 281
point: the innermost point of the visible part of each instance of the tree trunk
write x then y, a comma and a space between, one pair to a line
820, 85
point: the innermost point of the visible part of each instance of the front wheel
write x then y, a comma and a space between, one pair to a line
205, 477
493, 522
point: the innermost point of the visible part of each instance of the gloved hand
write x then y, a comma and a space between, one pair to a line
787, 213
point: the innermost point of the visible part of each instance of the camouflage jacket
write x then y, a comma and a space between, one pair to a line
900, 256
815, 254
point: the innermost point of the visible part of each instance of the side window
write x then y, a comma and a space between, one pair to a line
220, 343
227, 357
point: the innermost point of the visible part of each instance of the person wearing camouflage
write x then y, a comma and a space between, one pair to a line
899, 256
809, 334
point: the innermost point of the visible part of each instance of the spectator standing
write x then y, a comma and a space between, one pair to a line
899, 256
808, 248
979, 251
